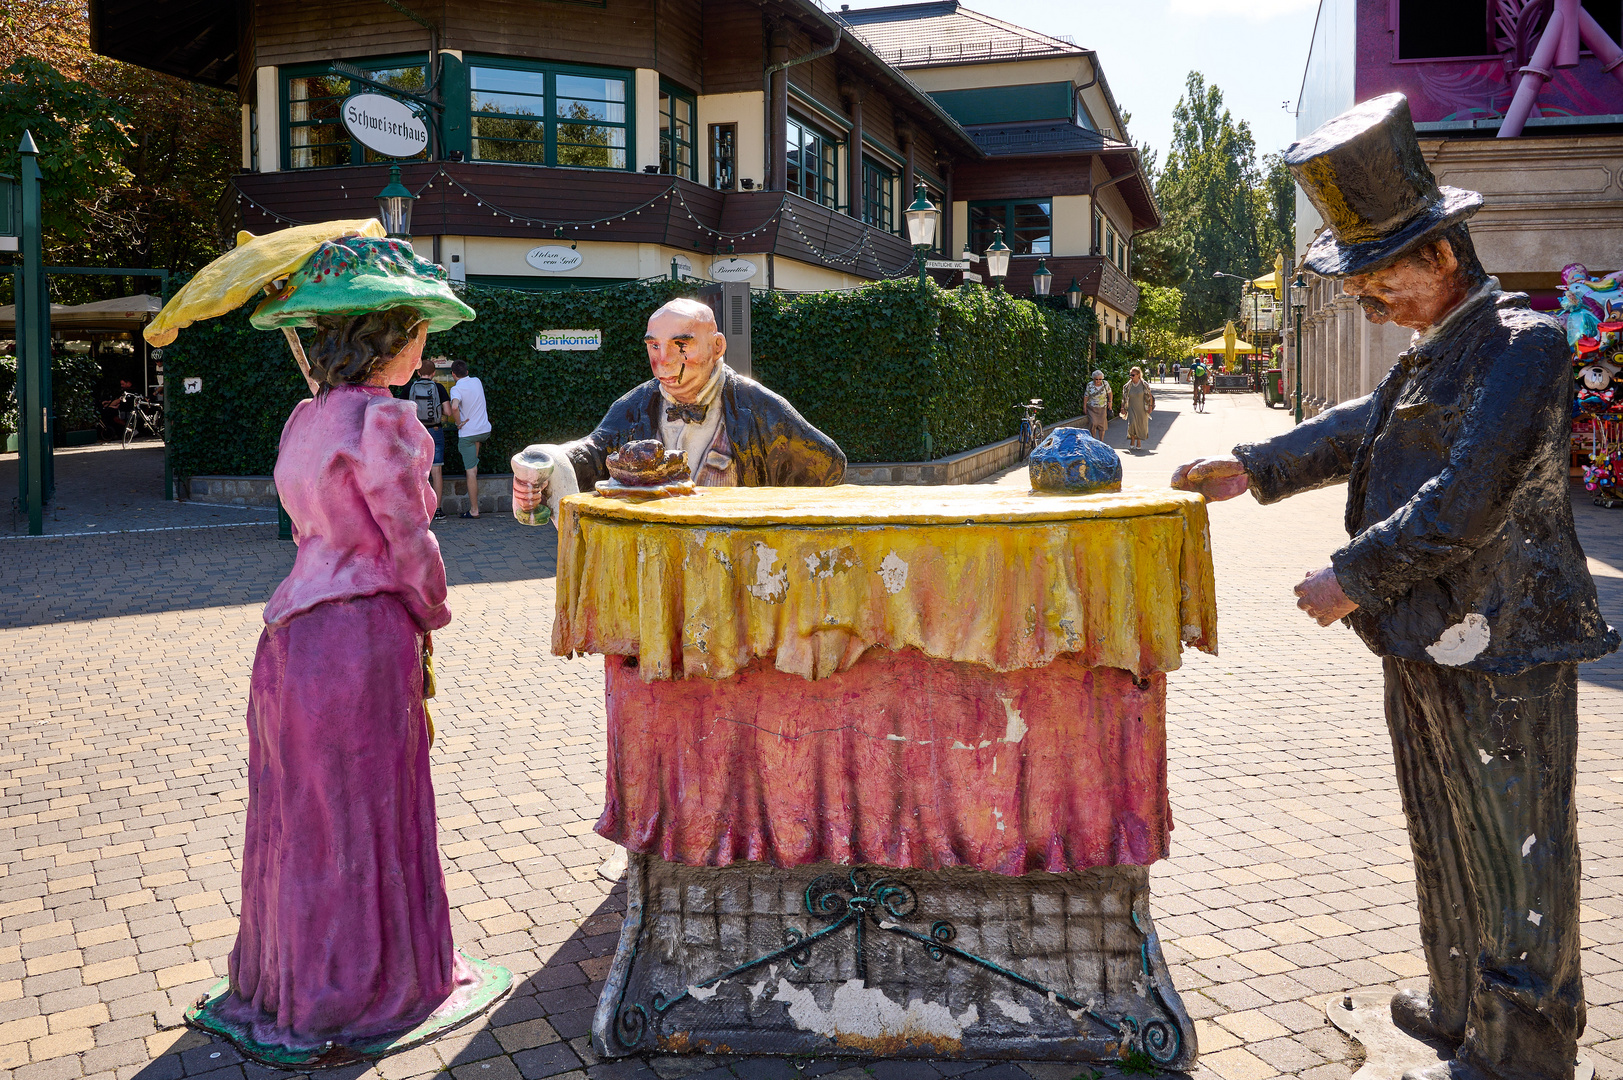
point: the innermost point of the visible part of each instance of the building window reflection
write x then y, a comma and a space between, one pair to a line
878, 187
539, 115
1028, 225
677, 154
312, 97
724, 156
811, 159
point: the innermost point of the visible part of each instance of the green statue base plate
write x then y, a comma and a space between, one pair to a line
494, 981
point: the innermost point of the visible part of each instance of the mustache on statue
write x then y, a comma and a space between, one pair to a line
1371, 305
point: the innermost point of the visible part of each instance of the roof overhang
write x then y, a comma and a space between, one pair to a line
195, 40
864, 61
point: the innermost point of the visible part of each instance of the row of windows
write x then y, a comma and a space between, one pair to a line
537, 114
1027, 224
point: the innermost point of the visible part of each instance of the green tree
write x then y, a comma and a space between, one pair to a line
1278, 217
81, 136
1156, 325
1208, 191
137, 165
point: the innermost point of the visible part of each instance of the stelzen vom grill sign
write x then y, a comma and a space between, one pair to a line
384, 125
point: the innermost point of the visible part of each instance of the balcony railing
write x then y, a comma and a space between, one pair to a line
555, 203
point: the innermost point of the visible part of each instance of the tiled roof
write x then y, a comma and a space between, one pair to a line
942, 32
1044, 137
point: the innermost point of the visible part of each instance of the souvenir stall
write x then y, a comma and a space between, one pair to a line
1592, 307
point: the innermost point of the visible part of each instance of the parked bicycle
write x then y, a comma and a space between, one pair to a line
145, 418
1031, 428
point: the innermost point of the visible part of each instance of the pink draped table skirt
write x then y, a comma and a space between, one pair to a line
911, 857
900, 761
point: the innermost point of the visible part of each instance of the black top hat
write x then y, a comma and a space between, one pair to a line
1365, 174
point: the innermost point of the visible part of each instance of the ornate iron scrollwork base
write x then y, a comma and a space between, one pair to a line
1115, 1000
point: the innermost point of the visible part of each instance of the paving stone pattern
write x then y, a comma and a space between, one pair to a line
127, 663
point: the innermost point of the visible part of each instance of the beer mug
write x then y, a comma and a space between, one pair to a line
533, 465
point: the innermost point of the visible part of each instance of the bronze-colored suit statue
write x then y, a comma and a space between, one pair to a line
1464, 573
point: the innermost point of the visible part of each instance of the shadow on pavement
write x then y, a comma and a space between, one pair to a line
76, 578
1601, 532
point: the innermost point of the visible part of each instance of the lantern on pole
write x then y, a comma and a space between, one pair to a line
1299, 302
997, 259
1042, 279
394, 206
922, 219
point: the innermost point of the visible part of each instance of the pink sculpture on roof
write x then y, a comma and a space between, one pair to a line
1557, 47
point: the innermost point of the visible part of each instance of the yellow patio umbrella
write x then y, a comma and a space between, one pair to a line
1220, 344
251, 267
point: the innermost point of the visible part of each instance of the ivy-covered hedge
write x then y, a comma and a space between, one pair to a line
875, 368
73, 392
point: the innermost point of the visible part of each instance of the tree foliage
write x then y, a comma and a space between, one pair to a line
135, 163
1223, 210
1156, 325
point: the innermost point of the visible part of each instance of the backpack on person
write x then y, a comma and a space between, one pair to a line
425, 394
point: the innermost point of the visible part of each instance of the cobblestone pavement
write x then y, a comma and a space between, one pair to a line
112, 488
121, 707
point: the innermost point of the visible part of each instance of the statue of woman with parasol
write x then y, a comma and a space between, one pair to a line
344, 952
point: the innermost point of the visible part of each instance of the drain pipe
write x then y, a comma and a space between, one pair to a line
766, 98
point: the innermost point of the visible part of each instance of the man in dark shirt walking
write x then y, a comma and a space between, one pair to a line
430, 398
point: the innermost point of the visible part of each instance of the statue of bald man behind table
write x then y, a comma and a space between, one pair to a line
733, 431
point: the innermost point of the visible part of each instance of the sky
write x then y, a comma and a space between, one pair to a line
1253, 50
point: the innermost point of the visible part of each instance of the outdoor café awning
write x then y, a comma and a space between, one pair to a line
1217, 345
126, 314
1268, 281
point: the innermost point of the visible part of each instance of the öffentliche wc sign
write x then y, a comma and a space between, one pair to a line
568, 340
384, 125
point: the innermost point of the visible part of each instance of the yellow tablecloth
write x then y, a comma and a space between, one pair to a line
812, 578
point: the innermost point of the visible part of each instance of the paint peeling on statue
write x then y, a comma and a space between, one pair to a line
344, 953
1464, 573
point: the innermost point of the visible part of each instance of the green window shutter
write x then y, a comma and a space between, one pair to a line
1007, 104
454, 92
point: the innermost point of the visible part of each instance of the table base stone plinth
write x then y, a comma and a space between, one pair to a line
880, 961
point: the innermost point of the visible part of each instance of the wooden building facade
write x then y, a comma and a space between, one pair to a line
618, 135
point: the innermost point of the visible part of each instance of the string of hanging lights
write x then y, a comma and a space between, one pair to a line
849, 257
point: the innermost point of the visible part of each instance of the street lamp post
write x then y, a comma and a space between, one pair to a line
997, 259
1042, 279
1244, 283
394, 206
922, 218
1298, 302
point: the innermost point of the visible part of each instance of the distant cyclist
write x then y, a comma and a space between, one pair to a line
1198, 375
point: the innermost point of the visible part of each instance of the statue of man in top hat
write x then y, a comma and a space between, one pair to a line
1463, 572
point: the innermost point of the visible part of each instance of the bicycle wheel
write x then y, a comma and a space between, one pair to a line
129, 430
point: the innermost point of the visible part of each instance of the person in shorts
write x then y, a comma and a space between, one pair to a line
430, 398
467, 411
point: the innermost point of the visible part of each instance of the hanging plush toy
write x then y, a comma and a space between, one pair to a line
1596, 376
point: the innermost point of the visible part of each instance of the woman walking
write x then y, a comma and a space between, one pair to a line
1140, 402
1096, 398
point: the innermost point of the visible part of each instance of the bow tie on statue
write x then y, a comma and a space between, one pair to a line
685, 412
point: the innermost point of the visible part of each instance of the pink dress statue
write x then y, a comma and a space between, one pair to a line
344, 952
341, 843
